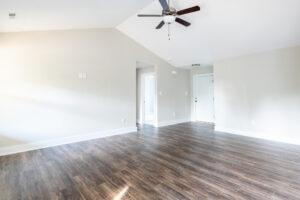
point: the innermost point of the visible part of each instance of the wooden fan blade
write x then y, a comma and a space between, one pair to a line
183, 22
164, 4
150, 15
188, 10
160, 25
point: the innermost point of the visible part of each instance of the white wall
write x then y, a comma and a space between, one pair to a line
42, 99
173, 95
259, 95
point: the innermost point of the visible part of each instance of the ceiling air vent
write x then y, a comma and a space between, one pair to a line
12, 15
196, 65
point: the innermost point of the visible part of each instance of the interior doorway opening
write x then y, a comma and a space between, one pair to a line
146, 94
148, 98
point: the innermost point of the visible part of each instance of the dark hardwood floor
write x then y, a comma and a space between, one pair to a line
185, 161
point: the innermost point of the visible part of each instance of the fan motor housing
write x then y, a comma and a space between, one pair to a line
171, 11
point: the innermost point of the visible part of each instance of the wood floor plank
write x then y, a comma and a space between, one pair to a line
184, 161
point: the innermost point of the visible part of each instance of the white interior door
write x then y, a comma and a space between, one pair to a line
149, 99
204, 98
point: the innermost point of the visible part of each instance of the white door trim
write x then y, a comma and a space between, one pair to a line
203, 75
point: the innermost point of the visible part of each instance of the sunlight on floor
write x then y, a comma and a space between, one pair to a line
121, 194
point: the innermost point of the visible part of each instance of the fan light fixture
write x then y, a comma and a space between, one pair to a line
169, 19
170, 15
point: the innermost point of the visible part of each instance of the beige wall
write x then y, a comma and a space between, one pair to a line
41, 97
172, 95
259, 95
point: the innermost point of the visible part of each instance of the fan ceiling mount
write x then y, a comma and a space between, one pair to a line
170, 14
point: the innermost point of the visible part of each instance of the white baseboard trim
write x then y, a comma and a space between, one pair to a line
257, 135
61, 141
173, 122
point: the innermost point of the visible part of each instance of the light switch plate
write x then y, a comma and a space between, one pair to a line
80, 75
84, 75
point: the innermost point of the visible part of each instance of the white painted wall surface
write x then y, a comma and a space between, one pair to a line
259, 95
173, 95
42, 99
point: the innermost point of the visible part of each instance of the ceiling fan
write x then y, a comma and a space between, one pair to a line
170, 14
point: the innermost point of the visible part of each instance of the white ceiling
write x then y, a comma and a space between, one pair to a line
66, 14
221, 29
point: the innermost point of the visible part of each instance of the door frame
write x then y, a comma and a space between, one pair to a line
193, 117
142, 99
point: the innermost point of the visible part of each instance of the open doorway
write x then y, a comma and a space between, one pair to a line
148, 98
146, 95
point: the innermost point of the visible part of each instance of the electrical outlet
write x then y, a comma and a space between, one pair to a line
80, 76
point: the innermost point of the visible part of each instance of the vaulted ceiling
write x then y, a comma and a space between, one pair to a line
221, 29
66, 14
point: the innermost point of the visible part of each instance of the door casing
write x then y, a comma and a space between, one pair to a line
194, 105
